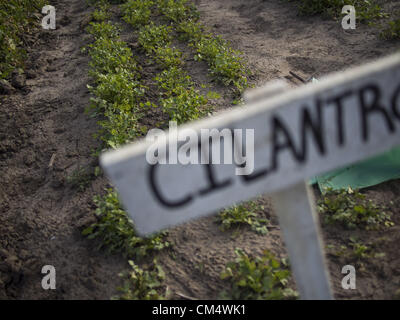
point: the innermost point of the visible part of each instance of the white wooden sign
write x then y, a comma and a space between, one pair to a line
298, 134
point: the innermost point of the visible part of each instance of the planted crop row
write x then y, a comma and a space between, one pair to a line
118, 97
178, 96
16, 21
116, 231
117, 89
225, 63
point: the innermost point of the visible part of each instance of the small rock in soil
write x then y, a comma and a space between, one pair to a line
30, 74
18, 80
51, 69
65, 21
29, 159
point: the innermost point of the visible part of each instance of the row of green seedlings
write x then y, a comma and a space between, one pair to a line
180, 103
117, 89
17, 21
367, 11
116, 233
146, 284
156, 41
118, 98
178, 96
226, 64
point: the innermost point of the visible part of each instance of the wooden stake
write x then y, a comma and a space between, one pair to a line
300, 227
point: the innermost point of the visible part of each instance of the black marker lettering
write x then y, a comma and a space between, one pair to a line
157, 193
374, 106
339, 115
396, 103
257, 174
213, 183
279, 128
210, 174
254, 176
315, 126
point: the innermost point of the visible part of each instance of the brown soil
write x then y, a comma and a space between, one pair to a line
46, 136
41, 215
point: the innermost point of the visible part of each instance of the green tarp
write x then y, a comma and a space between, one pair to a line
363, 174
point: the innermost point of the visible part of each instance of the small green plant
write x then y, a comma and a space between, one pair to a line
243, 214
351, 209
257, 278
185, 106
137, 12
190, 30
177, 10
226, 65
338, 251
103, 29
172, 79
80, 178
102, 11
142, 284
167, 57
355, 248
369, 11
392, 31
116, 231
360, 250
178, 96
152, 36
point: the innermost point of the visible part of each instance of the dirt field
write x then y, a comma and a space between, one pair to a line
46, 135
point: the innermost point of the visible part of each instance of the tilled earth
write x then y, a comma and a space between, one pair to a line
46, 136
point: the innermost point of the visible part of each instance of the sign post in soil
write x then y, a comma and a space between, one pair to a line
277, 143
